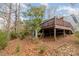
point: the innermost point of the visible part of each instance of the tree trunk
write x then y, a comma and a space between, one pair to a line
17, 17
8, 22
36, 34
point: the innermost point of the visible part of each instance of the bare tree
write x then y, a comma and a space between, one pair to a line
17, 16
9, 20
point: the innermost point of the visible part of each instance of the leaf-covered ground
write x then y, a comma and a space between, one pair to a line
67, 46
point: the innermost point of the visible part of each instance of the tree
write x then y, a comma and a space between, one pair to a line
17, 16
8, 21
6, 15
36, 14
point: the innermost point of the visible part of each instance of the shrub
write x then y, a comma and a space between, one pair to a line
42, 49
77, 34
77, 41
3, 40
13, 35
17, 48
35, 41
22, 35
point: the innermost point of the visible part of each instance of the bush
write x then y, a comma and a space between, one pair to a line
42, 49
77, 41
13, 35
3, 40
77, 34
22, 35
17, 48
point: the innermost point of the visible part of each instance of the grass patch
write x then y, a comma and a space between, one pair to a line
35, 41
77, 34
42, 49
77, 41
13, 35
17, 48
3, 40
21, 35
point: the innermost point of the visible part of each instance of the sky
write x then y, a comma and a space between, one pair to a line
61, 9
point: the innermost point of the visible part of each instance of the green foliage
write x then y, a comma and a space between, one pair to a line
13, 35
17, 48
3, 40
36, 15
77, 41
28, 26
42, 49
77, 34
22, 35
36, 24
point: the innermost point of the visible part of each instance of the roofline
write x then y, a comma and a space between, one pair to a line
51, 19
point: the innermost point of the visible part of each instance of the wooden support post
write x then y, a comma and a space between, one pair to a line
50, 32
64, 33
55, 34
69, 32
43, 33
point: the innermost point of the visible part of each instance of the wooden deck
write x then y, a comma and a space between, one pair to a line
56, 25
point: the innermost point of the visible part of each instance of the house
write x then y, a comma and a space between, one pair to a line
56, 26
